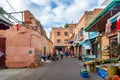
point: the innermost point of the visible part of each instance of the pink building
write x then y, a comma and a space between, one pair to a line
25, 43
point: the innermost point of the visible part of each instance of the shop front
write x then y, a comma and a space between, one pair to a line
114, 36
95, 47
109, 64
114, 48
4, 25
81, 48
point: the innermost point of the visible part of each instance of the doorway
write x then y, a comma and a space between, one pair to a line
2, 52
44, 51
95, 50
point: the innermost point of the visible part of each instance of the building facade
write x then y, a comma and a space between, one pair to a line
107, 24
80, 37
25, 43
5, 24
59, 37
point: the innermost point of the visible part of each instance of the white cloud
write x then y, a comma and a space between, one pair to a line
100, 1
46, 18
18, 5
41, 2
50, 17
48, 31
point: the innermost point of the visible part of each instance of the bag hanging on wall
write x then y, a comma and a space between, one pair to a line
118, 23
118, 29
108, 27
118, 37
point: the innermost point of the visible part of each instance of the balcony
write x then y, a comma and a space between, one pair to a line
81, 38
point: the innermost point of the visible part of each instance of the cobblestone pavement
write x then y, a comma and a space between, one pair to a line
66, 69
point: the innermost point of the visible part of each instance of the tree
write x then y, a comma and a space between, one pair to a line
2, 11
66, 25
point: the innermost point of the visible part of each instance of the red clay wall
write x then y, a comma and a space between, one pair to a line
19, 44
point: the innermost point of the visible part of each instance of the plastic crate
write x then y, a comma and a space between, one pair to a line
84, 74
102, 73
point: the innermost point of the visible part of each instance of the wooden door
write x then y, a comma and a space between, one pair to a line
2, 52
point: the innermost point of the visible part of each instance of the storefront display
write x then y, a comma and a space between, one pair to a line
108, 27
114, 48
118, 23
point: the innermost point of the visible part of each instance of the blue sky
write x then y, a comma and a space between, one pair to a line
53, 13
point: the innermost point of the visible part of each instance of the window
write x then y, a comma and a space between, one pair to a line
75, 37
65, 41
81, 32
70, 30
65, 34
58, 33
58, 40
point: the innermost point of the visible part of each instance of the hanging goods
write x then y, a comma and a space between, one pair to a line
108, 27
118, 29
118, 23
118, 37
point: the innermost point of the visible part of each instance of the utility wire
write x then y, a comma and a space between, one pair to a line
16, 13
12, 7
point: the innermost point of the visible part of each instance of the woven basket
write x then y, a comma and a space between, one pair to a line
112, 70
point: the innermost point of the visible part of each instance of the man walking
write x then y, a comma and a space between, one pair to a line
61, 53
67, 53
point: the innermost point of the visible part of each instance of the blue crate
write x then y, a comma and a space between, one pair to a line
84, 74
102, 73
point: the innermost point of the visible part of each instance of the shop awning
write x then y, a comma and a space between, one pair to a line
87, 42
114, 18
5, 21
81, 43
71, 42
75, 43
98, 24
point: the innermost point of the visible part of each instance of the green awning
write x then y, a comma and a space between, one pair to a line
114, 18
81, 43
114, 2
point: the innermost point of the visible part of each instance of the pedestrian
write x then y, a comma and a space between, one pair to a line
49, 57
43, 57
84, 65
67, 53
61, 53
1, 52
72, 53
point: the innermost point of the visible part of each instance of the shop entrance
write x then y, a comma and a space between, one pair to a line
88, 51
114, 48
95, 50
2, 52
45, 51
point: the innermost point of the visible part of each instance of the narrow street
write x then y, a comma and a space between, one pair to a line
34, 33
66, 69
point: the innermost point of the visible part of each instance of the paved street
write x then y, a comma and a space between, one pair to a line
32, 31
66, 69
